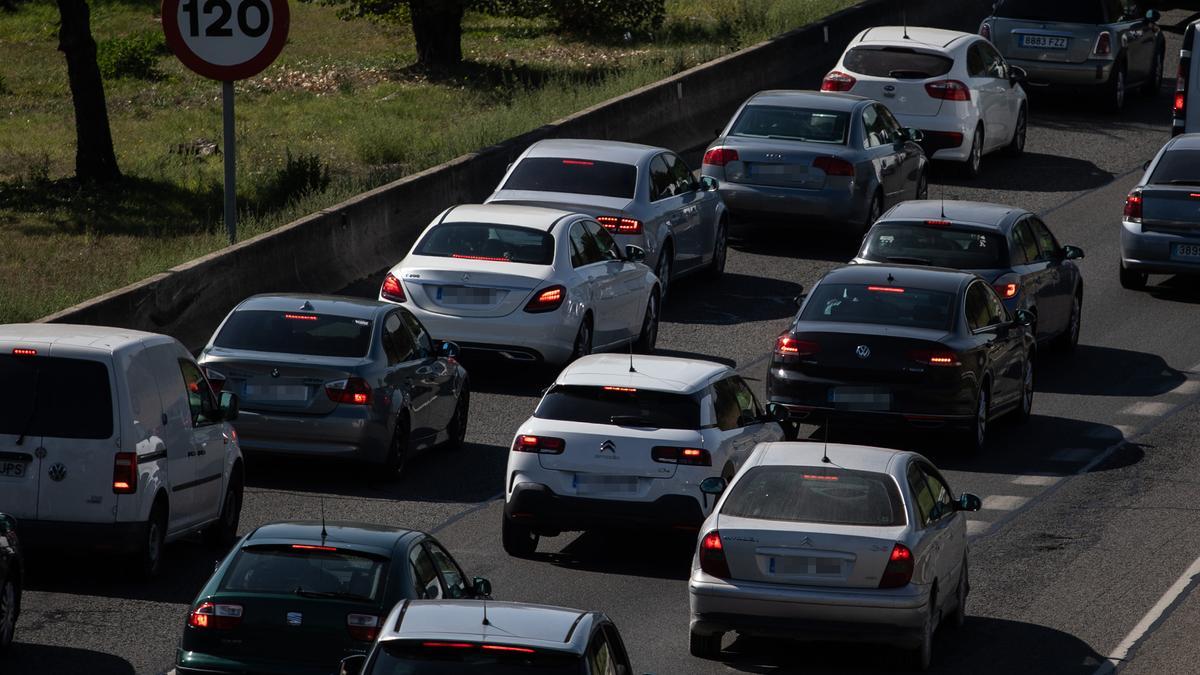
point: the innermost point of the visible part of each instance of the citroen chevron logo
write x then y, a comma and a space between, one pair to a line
608, 446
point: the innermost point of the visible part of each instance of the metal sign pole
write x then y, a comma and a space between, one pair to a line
230, 161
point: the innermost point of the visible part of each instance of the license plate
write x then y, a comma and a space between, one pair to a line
588, 483
805, 565
1186, 251
461, 295
861, 398
1043, 42
12, 469
277, 392
777, 170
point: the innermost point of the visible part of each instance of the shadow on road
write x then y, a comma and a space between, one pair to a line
186, 565
1031, 172
52, 660
654, 555
1106, 371
734, 299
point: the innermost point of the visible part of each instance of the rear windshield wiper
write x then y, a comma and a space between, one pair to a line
908, 260
1183, 181
332, 594
632, 421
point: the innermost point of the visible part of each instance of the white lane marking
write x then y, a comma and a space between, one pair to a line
1073, 455
1147, 408
1119, 655
1003, 502
977, 526
1187, 387
1040, 481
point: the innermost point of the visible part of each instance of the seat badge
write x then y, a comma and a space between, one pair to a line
295, 618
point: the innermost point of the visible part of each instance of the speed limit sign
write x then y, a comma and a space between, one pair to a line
225, 39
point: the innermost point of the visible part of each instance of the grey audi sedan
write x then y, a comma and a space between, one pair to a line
337, 376
810, 156
1160, 230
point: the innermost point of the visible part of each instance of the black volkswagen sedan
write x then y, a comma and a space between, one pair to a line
926, 347
1012, 249
10, 580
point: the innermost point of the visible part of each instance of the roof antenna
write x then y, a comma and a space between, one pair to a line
631, 368
485, 619
942, 192
324, 532
825, 444
904, 20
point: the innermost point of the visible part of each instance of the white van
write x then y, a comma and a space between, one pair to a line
1185, 112
112, 438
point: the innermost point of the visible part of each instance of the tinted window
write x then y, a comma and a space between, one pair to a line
813, 126
943, 501
425, 577
584, 249
911, 243
896, 62
993, 63
816, 495
923, 498
484, 241
284, 333
637, 407
200, 397
1024, 243
1178, 166
734, 400
284, 569
57, 397
456, 585
854, 303
397, 342
662, 183
401, 657
424, 342
1070, 11
983, 308
577, 176
606, 246
684, 181
875, 129
1047, 244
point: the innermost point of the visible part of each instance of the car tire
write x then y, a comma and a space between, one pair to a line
666, 263
1153, 85
148, 557
975, 438
1016, 147
1134, 280
10, 609
583, 340
1070, 337
456, 431
1024, 407
923, 185
874, 210
974, 164
720, 252
705, 646
398, 450
920, 657
959, 618
648, 337
222, 533
520, 541
1114, 90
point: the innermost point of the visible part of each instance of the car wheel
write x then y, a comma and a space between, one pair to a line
10, 599
705, 646
960, 608
649, 335
921, 656
1134, 280
1025, 407
397, 455
974, 164
1070, 337
223, 532
457, 430
1017, 146
874, 210
583, 340
520, 541
923, 186
1115, 91
149, 555
663, 270
1154, 84
976, 437
720, 251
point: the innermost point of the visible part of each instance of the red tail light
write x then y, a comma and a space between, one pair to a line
620, 225
684, 456
218, 616
1180, 102
985, 29
720, 156
712, 556
1104, 44
834, 166
364, 627
1180, 106
948, 90
547, 300
24, 352
391, 289
354, 391
836, 80
1133, 207
125, 473
786, 345
931, 357
938, 223
545, 445
899, 569
1007, 290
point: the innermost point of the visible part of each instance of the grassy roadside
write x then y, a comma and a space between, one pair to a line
338, 113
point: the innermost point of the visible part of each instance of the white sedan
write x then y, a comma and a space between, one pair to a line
831, 542
955, 87
526, 283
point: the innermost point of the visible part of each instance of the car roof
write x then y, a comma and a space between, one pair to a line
937, 38
533, 217
916, 276
604, 151
982, 214
842, 456
654, 373
1186, 142
103, 338
380, 539
338, 305
829, 100
511, 623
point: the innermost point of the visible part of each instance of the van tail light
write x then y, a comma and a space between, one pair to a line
834, 166
1179, 109
985, 30
685, 456
391, 289
354, 391
545, 445
364, 627
218, 616
720, 156
836, 80
1104, 44
932, 357
1007, 286
787, 346
125, 473
216, 380
546, 300
899, 569
620, 225
712, 556
948, 90
1133, 207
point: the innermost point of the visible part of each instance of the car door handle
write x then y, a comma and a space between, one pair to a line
201, 452
191, 453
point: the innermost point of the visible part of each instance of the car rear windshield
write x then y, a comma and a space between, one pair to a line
887, 305
624, 406
793, 124
296, 333
485, 241
919, 244
806, 494
1068, 11
306, 570
896, 62
452, 656
56, 397
1179, 167
576, 176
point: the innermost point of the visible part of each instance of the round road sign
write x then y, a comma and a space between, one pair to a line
225, 39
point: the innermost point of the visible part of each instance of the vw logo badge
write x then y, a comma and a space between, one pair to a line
274, 372
863, 352
58, 472
608, 446
295, 618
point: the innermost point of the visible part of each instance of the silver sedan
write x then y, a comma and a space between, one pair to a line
802, 155
867, 546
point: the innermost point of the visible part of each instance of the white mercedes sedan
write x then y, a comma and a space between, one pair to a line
528, 284
833, 543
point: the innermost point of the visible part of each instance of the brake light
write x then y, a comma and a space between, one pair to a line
935, 358
899, 569
1180, 107
469, 645
364, 627
218, 616
354, 391
1007, 290
449, 645
544, 445
818, 476
24, 352
507, 648
547, 300
938, 223
720, 156
885, 289
391, 289
300, 317
712, 556
1180, 101
125, 473
628, 390
1104, 44
620, 225
463, 256
1133, 207
786, 345
948, 90
985, 29
834, 166
313, 547
684, 456
578, 162
836, 80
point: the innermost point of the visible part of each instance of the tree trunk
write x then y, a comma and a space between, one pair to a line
94, 158
437, 26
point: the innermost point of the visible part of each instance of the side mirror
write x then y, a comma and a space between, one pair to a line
1072, 252
635, 254
1147, 164
914, 135
7, 523
713, 485
1153, 15
448, 350
1024, 317
1017, 74
482, 587
228, 406
708, 183
352, 665
745, 420
777, 412
969, 502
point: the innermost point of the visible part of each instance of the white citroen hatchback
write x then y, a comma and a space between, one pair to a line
619, 441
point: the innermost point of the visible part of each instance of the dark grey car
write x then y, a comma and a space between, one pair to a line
1102, 45
1012, 249
335, 376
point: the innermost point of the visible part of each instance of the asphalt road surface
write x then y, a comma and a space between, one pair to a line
1083, 551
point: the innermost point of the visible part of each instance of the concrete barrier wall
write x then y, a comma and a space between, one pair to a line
331, 249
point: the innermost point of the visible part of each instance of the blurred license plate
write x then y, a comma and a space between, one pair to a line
461, 295
277, 392
1185, 251
861, 398
805, 565
588, 483
12, 469
785, 170
1043, 41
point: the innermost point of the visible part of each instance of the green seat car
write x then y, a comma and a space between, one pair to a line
298, 597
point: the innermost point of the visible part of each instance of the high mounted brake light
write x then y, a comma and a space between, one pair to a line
24, 352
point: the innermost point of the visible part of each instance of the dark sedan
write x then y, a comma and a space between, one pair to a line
298, 597
11, 569
1012, 249
927, 347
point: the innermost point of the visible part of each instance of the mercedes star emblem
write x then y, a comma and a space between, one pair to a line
466, 277
863, 352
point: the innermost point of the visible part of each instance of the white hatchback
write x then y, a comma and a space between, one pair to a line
626, 441
526, 283
954, 87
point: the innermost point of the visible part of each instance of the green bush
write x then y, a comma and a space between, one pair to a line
133, 56
298, 178
589, 17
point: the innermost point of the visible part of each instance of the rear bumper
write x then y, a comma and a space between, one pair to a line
196, 663
919, 404
348, 431
836, 205
1045, 74
1151, 251
938, 143
538, 506
108, 537
548, 336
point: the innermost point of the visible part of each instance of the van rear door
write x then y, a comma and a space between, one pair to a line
19, 465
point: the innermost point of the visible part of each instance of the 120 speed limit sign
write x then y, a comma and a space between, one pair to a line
225, 39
